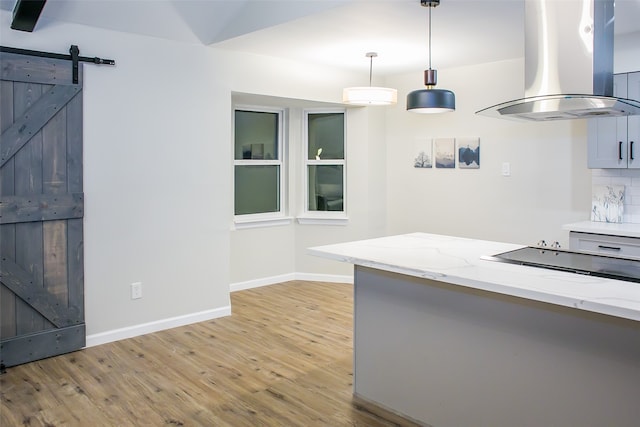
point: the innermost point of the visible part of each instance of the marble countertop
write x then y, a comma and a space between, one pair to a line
457, 261
608, 228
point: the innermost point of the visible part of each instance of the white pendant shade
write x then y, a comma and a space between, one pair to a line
369, 95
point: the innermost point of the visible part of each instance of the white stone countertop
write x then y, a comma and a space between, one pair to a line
624, 229
457, 261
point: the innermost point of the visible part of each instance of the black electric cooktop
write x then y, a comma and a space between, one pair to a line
573, 262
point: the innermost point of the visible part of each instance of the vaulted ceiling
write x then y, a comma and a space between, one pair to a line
331, 32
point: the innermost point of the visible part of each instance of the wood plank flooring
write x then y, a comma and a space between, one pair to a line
283, 358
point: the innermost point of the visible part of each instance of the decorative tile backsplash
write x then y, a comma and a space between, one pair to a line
630, 179
607, 203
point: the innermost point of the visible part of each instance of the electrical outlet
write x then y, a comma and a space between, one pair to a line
506, 169
136, 290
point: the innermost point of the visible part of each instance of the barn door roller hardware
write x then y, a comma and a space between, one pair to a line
74, 57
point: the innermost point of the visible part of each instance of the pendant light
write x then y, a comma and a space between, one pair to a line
431, 100
369, 95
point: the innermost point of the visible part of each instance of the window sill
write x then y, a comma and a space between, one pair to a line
263, 222
314, 220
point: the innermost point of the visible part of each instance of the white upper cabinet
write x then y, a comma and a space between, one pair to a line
614, 142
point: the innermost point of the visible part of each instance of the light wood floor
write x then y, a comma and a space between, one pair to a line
284, 358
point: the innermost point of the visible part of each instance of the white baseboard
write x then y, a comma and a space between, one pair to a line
158, 325
331, 278
174, 322
249, 284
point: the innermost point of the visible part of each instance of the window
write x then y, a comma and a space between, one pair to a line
258, 164
325, 164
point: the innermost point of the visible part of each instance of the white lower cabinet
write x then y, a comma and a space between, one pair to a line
602, 244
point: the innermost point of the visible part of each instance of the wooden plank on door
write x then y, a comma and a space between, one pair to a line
27, 181
7, 298
33, 69
30, 256
41, 207
27, 126
48, 304
75, 228
54, 181
7, 232
36, 346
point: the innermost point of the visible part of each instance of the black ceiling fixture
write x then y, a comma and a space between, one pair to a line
26, 14
431, 100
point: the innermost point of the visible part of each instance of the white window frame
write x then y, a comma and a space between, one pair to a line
265, 219
322, 217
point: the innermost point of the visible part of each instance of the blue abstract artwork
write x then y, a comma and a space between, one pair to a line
468, 153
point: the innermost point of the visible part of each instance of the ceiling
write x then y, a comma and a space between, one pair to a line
330, 32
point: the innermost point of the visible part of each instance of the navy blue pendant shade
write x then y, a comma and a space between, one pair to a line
431, 101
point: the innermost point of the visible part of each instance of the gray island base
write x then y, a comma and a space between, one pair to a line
442, 339
445, 355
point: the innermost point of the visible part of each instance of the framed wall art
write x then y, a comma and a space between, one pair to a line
445, 153
423, 149
468, 152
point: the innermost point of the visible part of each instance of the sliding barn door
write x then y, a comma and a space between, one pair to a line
41, 234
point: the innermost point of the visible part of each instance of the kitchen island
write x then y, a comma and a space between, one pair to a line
445, 338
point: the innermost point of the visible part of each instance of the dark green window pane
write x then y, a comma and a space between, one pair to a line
257, 189
326, 189
326, 133
256, 135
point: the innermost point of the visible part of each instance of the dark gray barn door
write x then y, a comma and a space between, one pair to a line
41, 208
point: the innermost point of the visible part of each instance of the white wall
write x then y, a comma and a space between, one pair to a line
366, 189
157, 174
155, 149
549, 183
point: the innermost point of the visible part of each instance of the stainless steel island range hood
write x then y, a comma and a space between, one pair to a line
568, 64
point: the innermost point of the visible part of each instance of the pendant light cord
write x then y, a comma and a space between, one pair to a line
430, 7
370, 69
